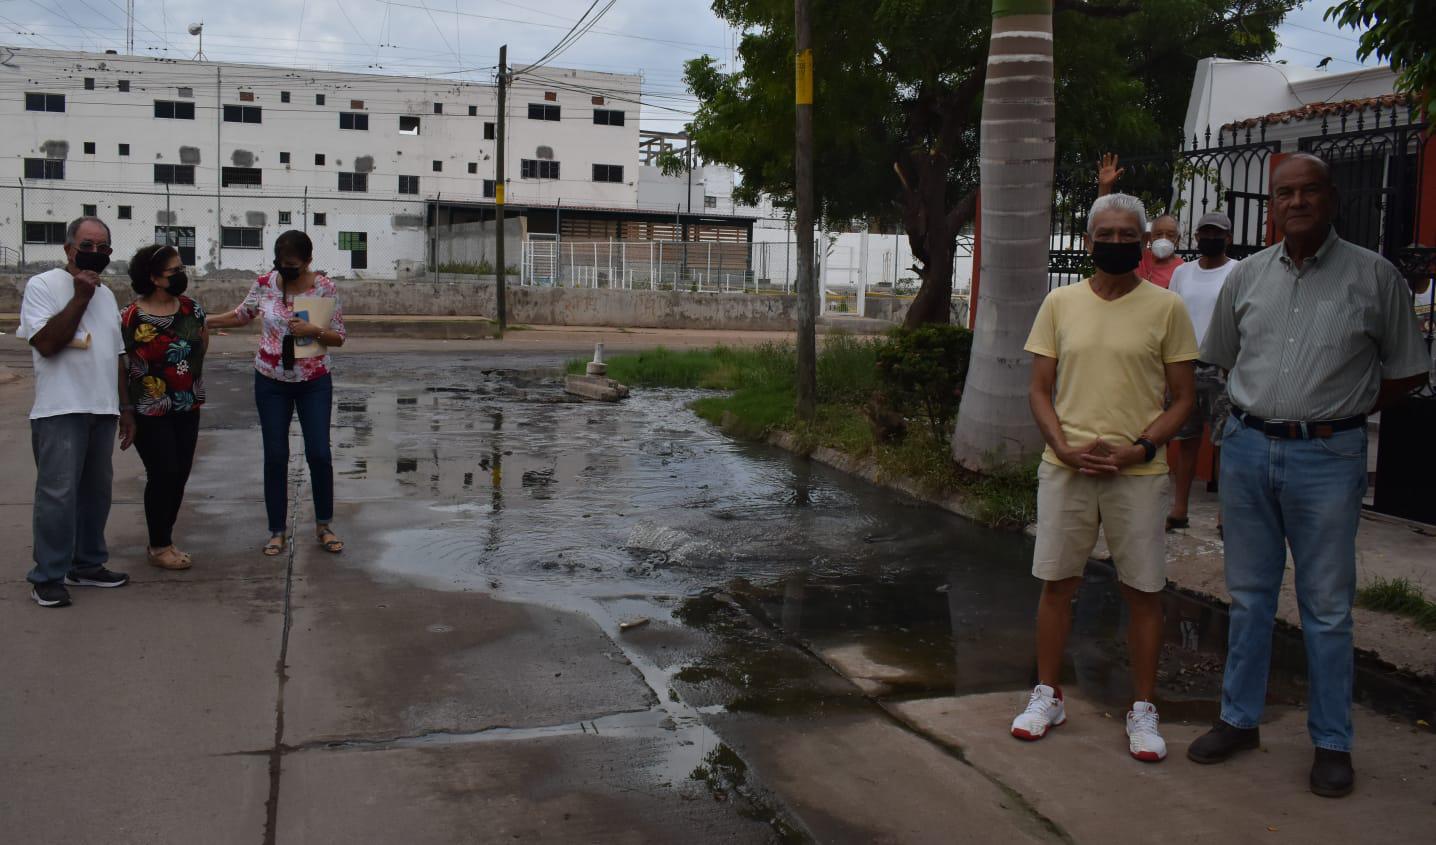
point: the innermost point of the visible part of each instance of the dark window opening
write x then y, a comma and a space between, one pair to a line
124, 86
90, 210
89, 148
230, 176
408, 184
408, 125
321, 218
284, 217
44, 233
124, 149
283, 96
488, 131
473, 167
543, 111
353, 120
241, 237
608, 117
44, 102
89, 83
355, 182
243, 114
44, 168
438, 166
174, 174
284, 158
530, 168
318, 99
489, 187
319, 159
123, 212
438, 108
174, 110
473, 111
608, 173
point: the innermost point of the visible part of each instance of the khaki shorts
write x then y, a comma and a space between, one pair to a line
1130, 509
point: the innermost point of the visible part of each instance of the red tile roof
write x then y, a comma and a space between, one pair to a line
1311, 111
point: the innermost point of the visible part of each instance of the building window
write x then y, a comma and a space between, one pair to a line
283, 158
284, 218
355, 182
353, 120
89, 148
90, 210
318, 99
124, 86
408, 125
174, 174
321, 218
530, 168
283, 96
438, 108
543, 111
608, 173
408, 184
44, 168
123, 212
243, 114
230, 176
438, 167
89, 83
319, 159
44, 233
473, 167
241, 237
357, 245
710, 202
173, 110
488, 131
608, 117
44, 102
489, 186
473, 111
124, 149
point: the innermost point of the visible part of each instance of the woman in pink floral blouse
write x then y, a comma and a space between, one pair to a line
284, 384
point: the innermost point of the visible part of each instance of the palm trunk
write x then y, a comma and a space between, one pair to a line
994, 423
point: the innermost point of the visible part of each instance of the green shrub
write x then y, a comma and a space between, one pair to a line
847, 368
922, 370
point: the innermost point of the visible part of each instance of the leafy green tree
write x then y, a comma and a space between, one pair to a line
898, 95
1402, 33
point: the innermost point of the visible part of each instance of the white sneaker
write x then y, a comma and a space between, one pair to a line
1044, 710
1143, 738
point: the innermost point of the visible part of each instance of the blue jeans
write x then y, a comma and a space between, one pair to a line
72, 493
1307, 493
277, 402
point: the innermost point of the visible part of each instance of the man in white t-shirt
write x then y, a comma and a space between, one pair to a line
1198, 283
73, 325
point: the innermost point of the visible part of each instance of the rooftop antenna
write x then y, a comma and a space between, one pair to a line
198, 29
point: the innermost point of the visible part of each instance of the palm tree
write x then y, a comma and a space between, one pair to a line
1018, 131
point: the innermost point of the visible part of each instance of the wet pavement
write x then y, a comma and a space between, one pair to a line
465, 671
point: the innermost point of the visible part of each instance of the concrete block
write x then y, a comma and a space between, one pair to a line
595, 387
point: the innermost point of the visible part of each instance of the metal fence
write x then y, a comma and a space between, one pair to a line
218, 231
696, 266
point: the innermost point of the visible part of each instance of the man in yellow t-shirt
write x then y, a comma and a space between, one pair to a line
1105, 353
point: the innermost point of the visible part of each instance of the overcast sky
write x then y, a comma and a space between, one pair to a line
460, 38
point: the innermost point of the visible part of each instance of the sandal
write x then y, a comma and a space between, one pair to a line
275, 546
167, 558
333, 544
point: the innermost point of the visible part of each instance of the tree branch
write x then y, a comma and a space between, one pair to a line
962, 213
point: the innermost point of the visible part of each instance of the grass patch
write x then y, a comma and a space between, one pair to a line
761, 399
1399, 596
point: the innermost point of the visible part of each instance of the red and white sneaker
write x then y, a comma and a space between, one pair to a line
1143, 738
1044, 710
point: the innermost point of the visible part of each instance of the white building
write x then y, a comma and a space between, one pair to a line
222, 157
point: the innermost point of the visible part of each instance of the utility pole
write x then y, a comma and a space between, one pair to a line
803, 155
500, 294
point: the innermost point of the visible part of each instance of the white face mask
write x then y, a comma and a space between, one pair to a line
1163, 248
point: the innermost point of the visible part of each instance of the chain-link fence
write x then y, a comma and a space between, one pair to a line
218, 232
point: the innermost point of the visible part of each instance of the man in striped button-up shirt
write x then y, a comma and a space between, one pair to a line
1316, 333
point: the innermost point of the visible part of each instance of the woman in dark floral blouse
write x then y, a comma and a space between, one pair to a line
165, 341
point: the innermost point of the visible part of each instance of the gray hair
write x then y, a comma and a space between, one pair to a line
1118, 202
75, 225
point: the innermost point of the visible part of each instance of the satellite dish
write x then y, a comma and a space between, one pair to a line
196, 28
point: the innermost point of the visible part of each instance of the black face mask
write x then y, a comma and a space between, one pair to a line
1212, 247
289, 274
179, 282
1116, 259
93, 261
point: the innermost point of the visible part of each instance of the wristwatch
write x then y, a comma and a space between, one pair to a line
1149, 447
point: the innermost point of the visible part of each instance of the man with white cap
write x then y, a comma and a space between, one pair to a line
1198, 283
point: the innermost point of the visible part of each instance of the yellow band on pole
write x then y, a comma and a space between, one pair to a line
804, 88
499, 193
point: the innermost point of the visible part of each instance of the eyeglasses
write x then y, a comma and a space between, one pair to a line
91, 246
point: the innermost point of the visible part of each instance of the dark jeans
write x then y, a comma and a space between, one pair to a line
72, 493
277, 401
166, 445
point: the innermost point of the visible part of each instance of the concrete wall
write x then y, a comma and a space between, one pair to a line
473, 243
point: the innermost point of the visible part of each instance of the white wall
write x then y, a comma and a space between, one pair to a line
1227, 90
